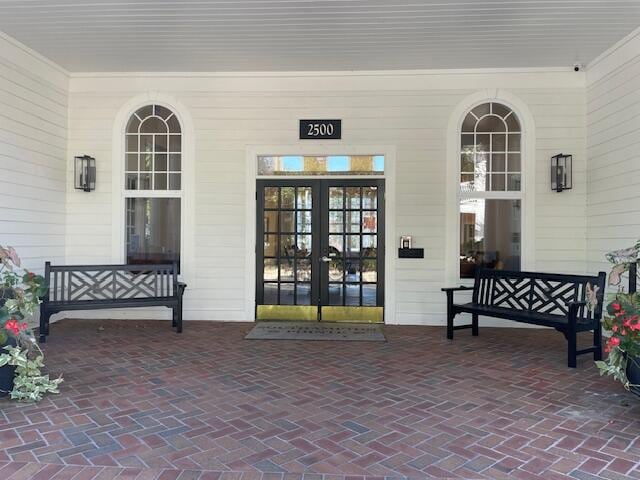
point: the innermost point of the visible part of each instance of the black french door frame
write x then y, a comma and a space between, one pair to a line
320, 235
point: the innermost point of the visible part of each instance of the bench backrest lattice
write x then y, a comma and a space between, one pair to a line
541, 293
104, 283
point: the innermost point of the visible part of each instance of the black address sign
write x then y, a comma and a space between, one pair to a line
320, 129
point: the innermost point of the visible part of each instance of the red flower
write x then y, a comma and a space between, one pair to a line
12, 326
615, 306
614, 342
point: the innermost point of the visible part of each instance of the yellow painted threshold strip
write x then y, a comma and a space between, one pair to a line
298, 313
353, 314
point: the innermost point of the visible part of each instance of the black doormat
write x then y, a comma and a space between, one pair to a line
348, 332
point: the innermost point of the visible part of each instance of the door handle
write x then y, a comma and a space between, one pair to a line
325, 259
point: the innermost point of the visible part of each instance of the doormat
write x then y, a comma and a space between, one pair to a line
316, 331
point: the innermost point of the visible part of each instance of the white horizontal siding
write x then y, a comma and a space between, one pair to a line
33, 145
613, 118
410, 112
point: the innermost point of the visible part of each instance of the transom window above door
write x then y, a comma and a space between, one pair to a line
153, 150
320, 165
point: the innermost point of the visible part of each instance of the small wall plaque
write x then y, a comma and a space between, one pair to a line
320, 129
411, 253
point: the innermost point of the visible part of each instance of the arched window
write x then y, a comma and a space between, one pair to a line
490, 195
153, 186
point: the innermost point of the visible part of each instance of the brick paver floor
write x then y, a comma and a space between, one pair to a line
140, 401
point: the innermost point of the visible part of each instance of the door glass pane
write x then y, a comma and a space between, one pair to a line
370, 197
287, 245
271, 197
336, 270
352, 271
369, 295
335, 294
270, 293
369, 246
352, 222
303, 198
335, 245
336, 220
152, 230
369, 271
369, 222
287, 196
303, 294
286, 294
303, 269
353, 245
270, 245
490, 235
287, 222
303, 245
336, 197
352, 295
286, 270
270, 269
270, 221
304, 222
353, 197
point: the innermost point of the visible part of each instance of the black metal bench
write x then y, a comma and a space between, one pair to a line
546, 299
95, 287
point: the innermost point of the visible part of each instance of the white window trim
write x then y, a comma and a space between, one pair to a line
526, 194
186, 193
391, 243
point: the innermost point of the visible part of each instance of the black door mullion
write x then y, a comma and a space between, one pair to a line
318, 268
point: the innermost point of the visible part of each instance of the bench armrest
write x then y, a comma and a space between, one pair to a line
181, 287
456, 289
576, 304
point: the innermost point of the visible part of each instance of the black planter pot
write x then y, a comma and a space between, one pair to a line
7, 372
633, 374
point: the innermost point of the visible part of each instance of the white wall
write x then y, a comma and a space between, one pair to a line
33, 146
613, 118
407, 110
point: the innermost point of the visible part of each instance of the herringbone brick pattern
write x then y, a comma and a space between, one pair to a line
141, 402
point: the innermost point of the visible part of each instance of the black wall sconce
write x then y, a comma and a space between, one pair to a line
85, 173
561, 172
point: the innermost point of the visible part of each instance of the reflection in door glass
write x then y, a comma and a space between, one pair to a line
287, 196
335, 294
353, 295
353, 197
271, 197
303, 198
270, 269
370, 197
336, 195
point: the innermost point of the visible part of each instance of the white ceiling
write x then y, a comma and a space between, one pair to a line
280, 35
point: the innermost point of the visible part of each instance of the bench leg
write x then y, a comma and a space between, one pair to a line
450, 315
474, 324
44, 325
597, 342
572, 349
177, 318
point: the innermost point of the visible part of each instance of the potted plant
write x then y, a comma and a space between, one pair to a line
21, 360
622, 322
